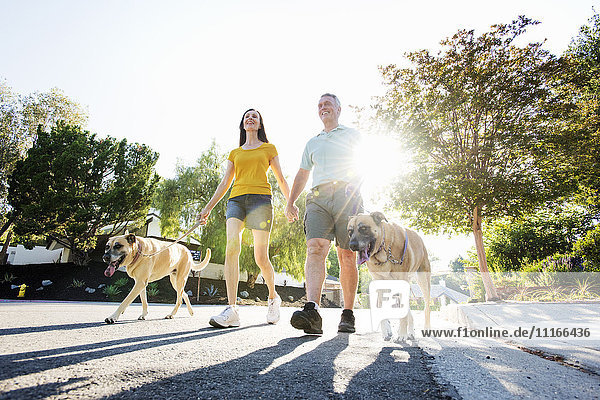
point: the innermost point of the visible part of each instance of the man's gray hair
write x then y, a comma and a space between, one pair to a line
333, 96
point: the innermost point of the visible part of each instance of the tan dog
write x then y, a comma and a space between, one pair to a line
132, 251
392, 252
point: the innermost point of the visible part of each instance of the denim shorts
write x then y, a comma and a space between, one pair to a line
255, 210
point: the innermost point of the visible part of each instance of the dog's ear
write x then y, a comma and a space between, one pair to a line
350, 219
130, 238
378, 217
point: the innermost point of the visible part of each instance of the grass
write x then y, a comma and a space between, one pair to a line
584, 290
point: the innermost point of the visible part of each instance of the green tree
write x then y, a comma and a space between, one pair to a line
470, 115
72, 183
575, 145
181, 198
514, 242
333, 264
20, 116
287, 247
458, 264
588, 248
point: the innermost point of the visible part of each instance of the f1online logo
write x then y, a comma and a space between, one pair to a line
388, 300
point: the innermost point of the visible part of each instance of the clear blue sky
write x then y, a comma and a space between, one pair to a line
175, 74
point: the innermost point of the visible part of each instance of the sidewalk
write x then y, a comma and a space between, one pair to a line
546, 319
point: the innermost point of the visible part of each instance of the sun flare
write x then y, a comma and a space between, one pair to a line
380, 160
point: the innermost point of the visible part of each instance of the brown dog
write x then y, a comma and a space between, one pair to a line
144, 266
392, 252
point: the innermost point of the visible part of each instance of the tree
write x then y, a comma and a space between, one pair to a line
333, 263
458, 264
514, 242
181, 198
20, 117
576, 142
588, 248
288, 242
72, 183
471, 116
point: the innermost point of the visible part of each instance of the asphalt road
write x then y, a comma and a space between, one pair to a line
65, 351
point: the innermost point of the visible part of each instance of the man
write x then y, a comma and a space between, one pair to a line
333, 198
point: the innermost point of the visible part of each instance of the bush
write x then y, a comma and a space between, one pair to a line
153, 289
111, 291
121, 282
77, 283
588, 248
556, 263
512, 243
8, 278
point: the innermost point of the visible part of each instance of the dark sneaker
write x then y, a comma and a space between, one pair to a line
308, 320
347, 322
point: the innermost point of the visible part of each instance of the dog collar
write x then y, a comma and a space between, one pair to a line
139, 252
390, 258
382, 242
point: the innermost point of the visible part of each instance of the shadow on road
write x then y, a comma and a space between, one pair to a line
399, 372
49, 389
49, 328
14, 365
283, 371
256, 375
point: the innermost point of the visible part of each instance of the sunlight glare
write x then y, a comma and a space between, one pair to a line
380, 160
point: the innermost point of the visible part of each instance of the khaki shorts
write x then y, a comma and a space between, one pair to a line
328, 208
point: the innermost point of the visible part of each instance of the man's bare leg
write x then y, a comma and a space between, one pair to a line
315, 268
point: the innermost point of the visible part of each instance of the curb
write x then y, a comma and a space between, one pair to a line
476, 319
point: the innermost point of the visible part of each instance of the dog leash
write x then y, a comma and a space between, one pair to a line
187, 233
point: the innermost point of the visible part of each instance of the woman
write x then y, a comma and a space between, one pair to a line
249, 205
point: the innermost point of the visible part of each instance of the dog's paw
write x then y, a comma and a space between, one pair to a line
109, 320
141, 318
169, 316
386, 330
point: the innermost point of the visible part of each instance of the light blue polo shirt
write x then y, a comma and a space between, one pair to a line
333, 156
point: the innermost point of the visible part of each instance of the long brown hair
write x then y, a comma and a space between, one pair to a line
262, 136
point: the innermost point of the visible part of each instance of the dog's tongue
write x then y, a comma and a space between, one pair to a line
110, 270
363, 257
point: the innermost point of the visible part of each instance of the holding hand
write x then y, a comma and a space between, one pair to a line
291, 212
203, 216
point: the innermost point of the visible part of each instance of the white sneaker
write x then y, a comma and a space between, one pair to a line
227, 319
273, 313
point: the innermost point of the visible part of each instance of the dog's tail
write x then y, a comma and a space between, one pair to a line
203, 263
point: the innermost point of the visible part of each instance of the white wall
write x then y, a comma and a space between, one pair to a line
281, 279
154, 227
215, 271
38, 255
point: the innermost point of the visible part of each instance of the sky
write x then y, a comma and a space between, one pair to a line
176, 75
